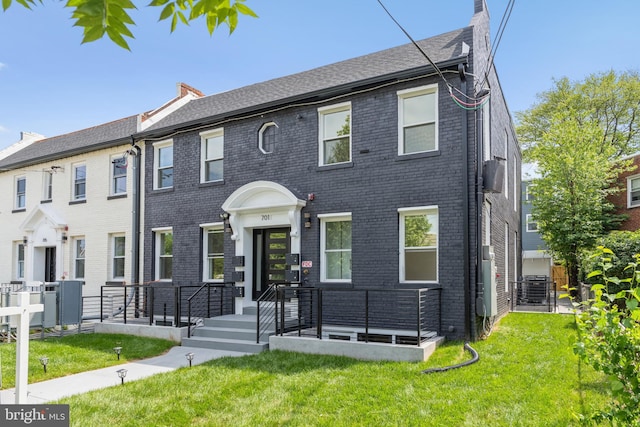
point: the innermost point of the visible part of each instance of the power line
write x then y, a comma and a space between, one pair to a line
503, 24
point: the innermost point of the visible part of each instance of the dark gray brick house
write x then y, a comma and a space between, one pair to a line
380, 172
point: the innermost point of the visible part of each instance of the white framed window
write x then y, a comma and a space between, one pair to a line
21, 192
47, 186
516, 194
212, 155
506, 165
267, 137
213, 251
334, 125
19, 257
506, 257
118, 256
528, 194
486, 130
79, 190
118, 175
633, 191
532, 226
79, 256
419, 235
163, 165
486, 215
418, 120
163, 253
335, 247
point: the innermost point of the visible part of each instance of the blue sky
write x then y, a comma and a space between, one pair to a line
52, 84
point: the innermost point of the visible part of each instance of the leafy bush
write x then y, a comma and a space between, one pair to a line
609, 336
624, 246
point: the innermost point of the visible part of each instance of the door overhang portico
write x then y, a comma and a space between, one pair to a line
260, 204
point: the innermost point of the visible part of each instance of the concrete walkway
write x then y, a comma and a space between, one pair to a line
47, 391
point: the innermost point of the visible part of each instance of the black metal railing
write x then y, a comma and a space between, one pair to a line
163, 304
266, 312
412, 314
207, 301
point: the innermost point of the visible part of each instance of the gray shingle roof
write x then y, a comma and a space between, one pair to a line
104, 135
441, 48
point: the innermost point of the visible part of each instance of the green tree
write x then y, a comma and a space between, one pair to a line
112, 17
611, 100
570, 201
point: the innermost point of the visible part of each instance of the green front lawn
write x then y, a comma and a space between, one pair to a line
77, 353
527, 376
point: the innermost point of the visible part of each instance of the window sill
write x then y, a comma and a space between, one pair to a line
403, 157
328, 285
211, 183
77, 202
42, 202
335, 166
19, 210
117, 196
161, 190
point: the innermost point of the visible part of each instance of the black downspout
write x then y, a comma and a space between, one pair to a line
479, 209
135, 228
468, 300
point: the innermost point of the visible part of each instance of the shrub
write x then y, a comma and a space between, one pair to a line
609, 336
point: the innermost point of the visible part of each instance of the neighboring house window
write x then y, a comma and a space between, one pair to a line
528, 193
418, 120
267, 137
20, 261
163, 165
335, 134
119, 175
164, 254
47, 186
532, 226
118, 258
419, 244
633, 191
335, 246
212, 153
79, 257
21, 192
214, 254
79, 182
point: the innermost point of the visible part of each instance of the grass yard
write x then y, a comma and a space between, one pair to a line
77, 353
527, 376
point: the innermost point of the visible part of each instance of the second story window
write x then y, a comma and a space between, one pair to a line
532, 225
335, 134
267, 137
119, 175
163, 165
79, 182
21, 192
212, 154
47, 186
418, 120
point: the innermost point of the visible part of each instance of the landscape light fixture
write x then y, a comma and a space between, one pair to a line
121, 374
44, 361
117, 350
189, 357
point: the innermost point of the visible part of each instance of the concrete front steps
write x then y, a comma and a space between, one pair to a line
232, 332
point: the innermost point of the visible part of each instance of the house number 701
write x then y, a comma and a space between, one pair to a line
266, 217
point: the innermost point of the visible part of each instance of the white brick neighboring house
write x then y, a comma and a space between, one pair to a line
67, 203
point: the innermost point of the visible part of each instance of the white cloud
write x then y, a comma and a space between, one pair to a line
2, 65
